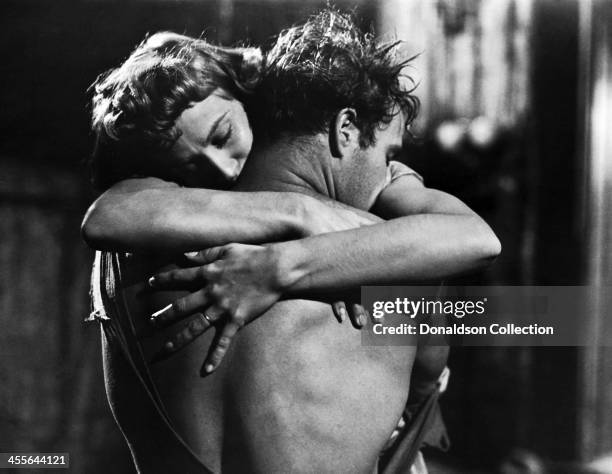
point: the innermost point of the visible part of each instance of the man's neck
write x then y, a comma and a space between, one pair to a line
298, 165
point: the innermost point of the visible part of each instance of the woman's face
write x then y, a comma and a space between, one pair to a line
215, 140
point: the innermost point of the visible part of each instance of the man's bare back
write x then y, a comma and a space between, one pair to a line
297, 393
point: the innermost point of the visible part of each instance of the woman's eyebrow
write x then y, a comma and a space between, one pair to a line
214, 126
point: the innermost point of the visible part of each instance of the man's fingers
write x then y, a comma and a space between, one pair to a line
340, 311
181, 308
180, 279
204, 257
197, 326
220, 347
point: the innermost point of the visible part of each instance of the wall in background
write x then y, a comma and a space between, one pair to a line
499, 85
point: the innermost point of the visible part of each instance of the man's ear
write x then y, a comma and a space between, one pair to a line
344, 134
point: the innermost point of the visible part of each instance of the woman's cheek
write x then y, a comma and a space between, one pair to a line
245, 133
247, 141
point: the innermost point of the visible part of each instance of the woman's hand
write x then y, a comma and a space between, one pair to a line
237, 283
234, 285
320, 216
356, 313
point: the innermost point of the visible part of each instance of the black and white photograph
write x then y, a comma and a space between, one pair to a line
306, 236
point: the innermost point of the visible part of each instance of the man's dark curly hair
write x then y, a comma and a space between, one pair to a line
327, 64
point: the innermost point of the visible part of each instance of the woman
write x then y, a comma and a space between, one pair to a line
150, 115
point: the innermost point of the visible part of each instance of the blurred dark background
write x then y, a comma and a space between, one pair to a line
517, 106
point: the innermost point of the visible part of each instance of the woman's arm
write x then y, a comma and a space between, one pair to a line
151, 214
437, 237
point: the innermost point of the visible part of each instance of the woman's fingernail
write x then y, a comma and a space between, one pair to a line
152, 282
156, 317
191, 254
207, 369
343, 314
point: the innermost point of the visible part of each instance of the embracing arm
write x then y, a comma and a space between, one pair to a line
436, 237
152, 214
432, 235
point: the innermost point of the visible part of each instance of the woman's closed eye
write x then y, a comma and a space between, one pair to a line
222, 137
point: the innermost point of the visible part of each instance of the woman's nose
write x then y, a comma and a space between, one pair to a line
227, 166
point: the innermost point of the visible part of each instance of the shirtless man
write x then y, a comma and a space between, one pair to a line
297, 392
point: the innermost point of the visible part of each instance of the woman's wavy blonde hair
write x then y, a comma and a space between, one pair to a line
135, 106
